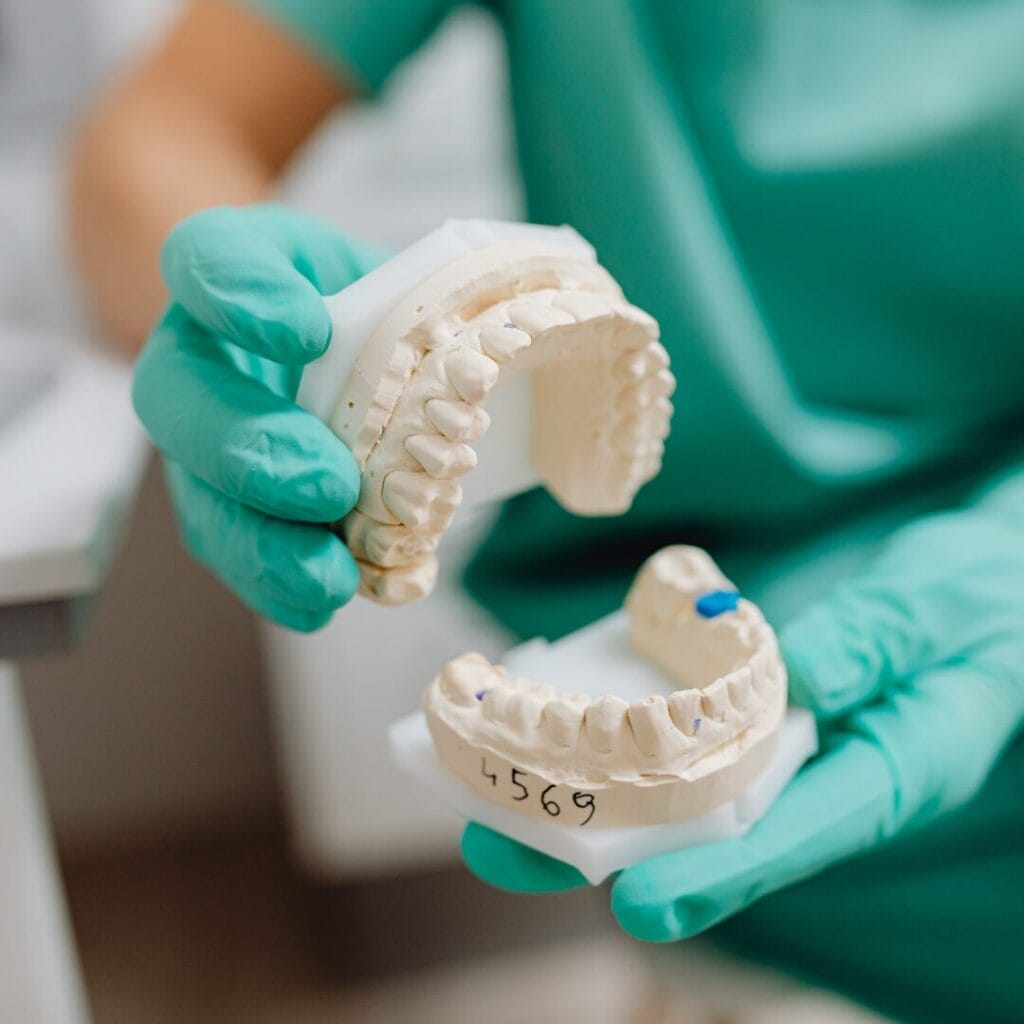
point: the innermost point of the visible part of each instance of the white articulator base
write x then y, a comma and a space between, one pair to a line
598, 852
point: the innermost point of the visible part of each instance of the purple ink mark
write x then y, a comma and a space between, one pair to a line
513, 326
696, 725
480, 694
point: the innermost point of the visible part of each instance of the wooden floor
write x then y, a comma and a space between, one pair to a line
220, 934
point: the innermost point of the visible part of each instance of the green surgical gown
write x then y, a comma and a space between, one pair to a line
822, 202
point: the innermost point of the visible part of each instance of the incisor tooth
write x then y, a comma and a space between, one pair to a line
420, 501
457, 421
440, 458
472, 374
502, 343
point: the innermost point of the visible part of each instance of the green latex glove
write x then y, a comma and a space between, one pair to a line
916, 670
253, 478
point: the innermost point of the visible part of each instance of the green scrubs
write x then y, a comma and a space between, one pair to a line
823, 205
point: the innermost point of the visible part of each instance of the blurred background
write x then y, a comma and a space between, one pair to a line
234, 843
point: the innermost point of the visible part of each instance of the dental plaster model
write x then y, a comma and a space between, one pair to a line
412, 406
574, 759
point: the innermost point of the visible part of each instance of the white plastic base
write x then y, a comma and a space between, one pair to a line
504, 466
596, 853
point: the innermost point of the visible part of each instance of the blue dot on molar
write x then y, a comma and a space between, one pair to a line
480, 694
715, 602
696, 725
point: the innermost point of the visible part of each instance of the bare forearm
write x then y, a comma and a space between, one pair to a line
146, 159
210, 118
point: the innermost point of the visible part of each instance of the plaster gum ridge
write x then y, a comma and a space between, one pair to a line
414, 404
665, 758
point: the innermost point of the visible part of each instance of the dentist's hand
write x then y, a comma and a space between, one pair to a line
254, 479
916, 670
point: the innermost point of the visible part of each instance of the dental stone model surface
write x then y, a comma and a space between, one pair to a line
413, 404
574, 759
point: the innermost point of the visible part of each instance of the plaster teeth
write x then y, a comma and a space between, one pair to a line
561, 721
655, 760
646, 392
603, 722
644, 362
535, 318
385, 545
634, 433
740, 688
714, 701
582, 305
457, 421
413, 399
685, 710
524, 710
494, 702
503, 343
653, 730
462, 679
440, 458
471, 373
419, 501
399, 585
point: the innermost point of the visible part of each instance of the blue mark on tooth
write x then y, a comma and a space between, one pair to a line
715, 602
480, 694
696, 725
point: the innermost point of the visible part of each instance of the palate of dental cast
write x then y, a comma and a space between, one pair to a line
668, 757
412, 407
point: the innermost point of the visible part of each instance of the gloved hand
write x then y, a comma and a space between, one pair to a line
916, 670
253, 478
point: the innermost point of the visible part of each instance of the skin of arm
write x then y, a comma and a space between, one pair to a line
211, 117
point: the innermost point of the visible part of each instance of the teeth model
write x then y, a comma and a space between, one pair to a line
575, 759
413, 404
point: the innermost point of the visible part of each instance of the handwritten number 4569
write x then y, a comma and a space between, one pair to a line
584, 801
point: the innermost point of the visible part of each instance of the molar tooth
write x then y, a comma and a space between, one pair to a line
535, 318
419, 501
464, 677
653, 730
739, 687
471, 373
400, 585
494, 703
457, 421
685, 710
561, 721
502, 343
524, 709
644, 362
440, 458
385, 545
647, 391
714, 701
603, 722
582, 305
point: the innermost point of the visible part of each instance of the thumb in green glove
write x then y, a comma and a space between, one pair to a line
255, 480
